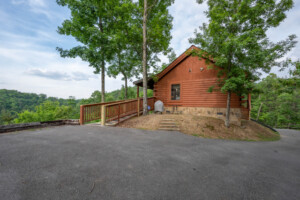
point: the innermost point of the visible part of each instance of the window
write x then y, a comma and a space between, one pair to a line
175, 92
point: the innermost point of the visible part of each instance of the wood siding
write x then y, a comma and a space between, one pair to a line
194, 84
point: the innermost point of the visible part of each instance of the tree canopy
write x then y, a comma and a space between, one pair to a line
157, 25
275, 100
92, 23
236, 39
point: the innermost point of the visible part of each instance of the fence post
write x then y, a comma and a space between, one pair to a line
81, 120
103, 115
119, 115
138, 100
138, 107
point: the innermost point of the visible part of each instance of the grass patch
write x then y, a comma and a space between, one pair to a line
94, 121
273, 137
210, 127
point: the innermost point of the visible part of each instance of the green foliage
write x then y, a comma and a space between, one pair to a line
235, 38
47, 111
95, 25
13, 102
171, 56
279, 101
6, 117
125, 59
159, 25
17, 107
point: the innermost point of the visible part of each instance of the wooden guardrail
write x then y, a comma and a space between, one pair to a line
245, 113
112, 110
92, 112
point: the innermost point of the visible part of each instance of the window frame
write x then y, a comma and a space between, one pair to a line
180, 96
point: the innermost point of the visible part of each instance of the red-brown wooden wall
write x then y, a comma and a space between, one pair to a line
194, 84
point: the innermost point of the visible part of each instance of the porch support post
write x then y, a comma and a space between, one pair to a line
103, 112
81, 121
138, 100
249, 105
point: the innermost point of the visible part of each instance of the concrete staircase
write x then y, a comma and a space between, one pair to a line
168, 125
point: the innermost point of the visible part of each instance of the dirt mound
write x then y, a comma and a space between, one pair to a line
206, 127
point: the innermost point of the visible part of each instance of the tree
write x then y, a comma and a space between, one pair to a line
122, 65
6, 117
91, 24
235, 38
275, 100
47, 111
156, 35
171, 56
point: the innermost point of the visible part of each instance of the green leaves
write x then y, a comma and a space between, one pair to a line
236, 38
47, 111
280, 100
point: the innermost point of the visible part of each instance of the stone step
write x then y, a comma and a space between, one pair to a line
163, 122
169, 129
168, 125
168, 120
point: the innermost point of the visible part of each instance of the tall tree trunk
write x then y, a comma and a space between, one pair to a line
227, 120
102, 66
102, 81
126, 87
145, 103
258, 113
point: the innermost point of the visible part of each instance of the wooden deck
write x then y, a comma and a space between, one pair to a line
113, 112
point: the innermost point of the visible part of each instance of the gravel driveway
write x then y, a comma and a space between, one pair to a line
88, 162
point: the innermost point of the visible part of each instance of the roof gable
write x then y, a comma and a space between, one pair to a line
169, 68
178, 60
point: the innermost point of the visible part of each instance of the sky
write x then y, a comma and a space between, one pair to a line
29, 61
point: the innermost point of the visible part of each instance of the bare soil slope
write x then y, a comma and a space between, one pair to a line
206, 127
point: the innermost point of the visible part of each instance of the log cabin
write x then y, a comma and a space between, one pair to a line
183, 88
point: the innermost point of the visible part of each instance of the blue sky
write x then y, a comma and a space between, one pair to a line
30, 63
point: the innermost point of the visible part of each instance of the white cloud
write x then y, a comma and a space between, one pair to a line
37, 3
17, 2
60, 75
31, 3
26, 64
29, 62
186, 20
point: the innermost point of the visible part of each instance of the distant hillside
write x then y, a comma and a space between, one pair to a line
32, 106
15, 101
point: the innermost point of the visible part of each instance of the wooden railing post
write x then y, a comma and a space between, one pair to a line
81, 120
119, 114
138, 106
138, 100
103, 115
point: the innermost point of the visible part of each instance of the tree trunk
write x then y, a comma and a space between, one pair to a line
103, 81
227, 120
102, 66
125, 78
145, 103
258, 113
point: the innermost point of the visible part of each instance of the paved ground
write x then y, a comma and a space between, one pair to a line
73, 162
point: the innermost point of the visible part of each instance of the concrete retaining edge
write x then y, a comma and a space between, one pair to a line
20, 127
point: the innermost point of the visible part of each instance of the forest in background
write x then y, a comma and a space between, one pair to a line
275, 102
19, 107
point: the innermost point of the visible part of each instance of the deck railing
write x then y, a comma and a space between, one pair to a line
245, 113
112, 110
